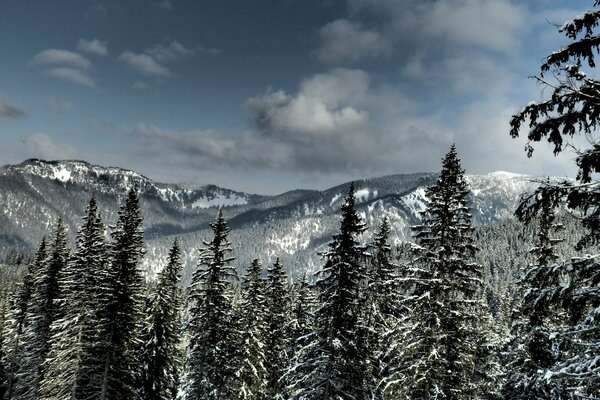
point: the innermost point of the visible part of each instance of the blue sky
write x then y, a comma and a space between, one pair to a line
270, 95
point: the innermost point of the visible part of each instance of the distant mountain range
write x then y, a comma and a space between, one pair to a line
294, 225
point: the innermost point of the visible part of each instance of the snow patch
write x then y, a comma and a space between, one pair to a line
362, 195
220, 200
334, 199
62, 174
416, 201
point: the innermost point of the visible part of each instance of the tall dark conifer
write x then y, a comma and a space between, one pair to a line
252, 372
161, 359
276, 339
73, 368
335, 360
124, 303
383, 313
42, 312
211, 355
447, 308
17, 323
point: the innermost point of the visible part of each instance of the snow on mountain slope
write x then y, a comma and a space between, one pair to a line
294, 225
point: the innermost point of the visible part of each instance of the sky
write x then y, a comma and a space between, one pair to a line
266, 96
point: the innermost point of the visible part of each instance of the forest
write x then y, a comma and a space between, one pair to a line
377, 321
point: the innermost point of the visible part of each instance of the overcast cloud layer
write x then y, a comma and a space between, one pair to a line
369, 87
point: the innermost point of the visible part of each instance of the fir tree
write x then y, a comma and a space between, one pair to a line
161, 359
18, 322
276, 337
42, 311
537, 318
301, 327
124, 303
446, 306
252, 372
383, 313
335, 359
211, 354
73, 366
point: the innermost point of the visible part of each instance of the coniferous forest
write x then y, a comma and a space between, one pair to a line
377, 321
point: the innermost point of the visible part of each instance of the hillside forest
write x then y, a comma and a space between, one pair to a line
447, 315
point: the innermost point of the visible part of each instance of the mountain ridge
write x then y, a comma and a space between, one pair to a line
293, 224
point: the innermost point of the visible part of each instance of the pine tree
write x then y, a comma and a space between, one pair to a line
211, 354
382, 315
161, 359
73, 366
124, 303
446, 306
301, 327
335, 358
18, 322
276, 337
537, 318
42, 311
252, 372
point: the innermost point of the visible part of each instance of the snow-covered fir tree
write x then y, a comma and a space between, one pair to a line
301, 326
125, 302
42, 311
447, 310
17, 323
252, 373
335, 360
382, 317
534, 339
73, 368
276, 340
162, 358
212, 348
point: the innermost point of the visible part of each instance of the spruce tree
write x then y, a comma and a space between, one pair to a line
18, 322
161, 355
447, 309
301, 326
277, 329
211, 354
124, 303
252, 371
73, 368
537, 318
335, 359
383, 313
42, 311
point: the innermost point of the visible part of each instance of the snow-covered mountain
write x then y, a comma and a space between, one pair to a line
294, 225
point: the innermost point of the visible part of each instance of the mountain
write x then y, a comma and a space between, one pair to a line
293, 225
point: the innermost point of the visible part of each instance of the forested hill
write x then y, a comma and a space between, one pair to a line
293, 225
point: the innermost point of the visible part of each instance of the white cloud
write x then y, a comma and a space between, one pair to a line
62, 58
93, 46
72, 75
171, 52
347, 41
9, 110
144, 65
40, 145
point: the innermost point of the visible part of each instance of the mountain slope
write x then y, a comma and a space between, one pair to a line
294, 225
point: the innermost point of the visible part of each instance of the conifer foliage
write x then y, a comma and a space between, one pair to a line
446, 307
335, 359
161, 359
77, 342
276, 339
124, 302
252, 371
42, 311
17, 325
211, 355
